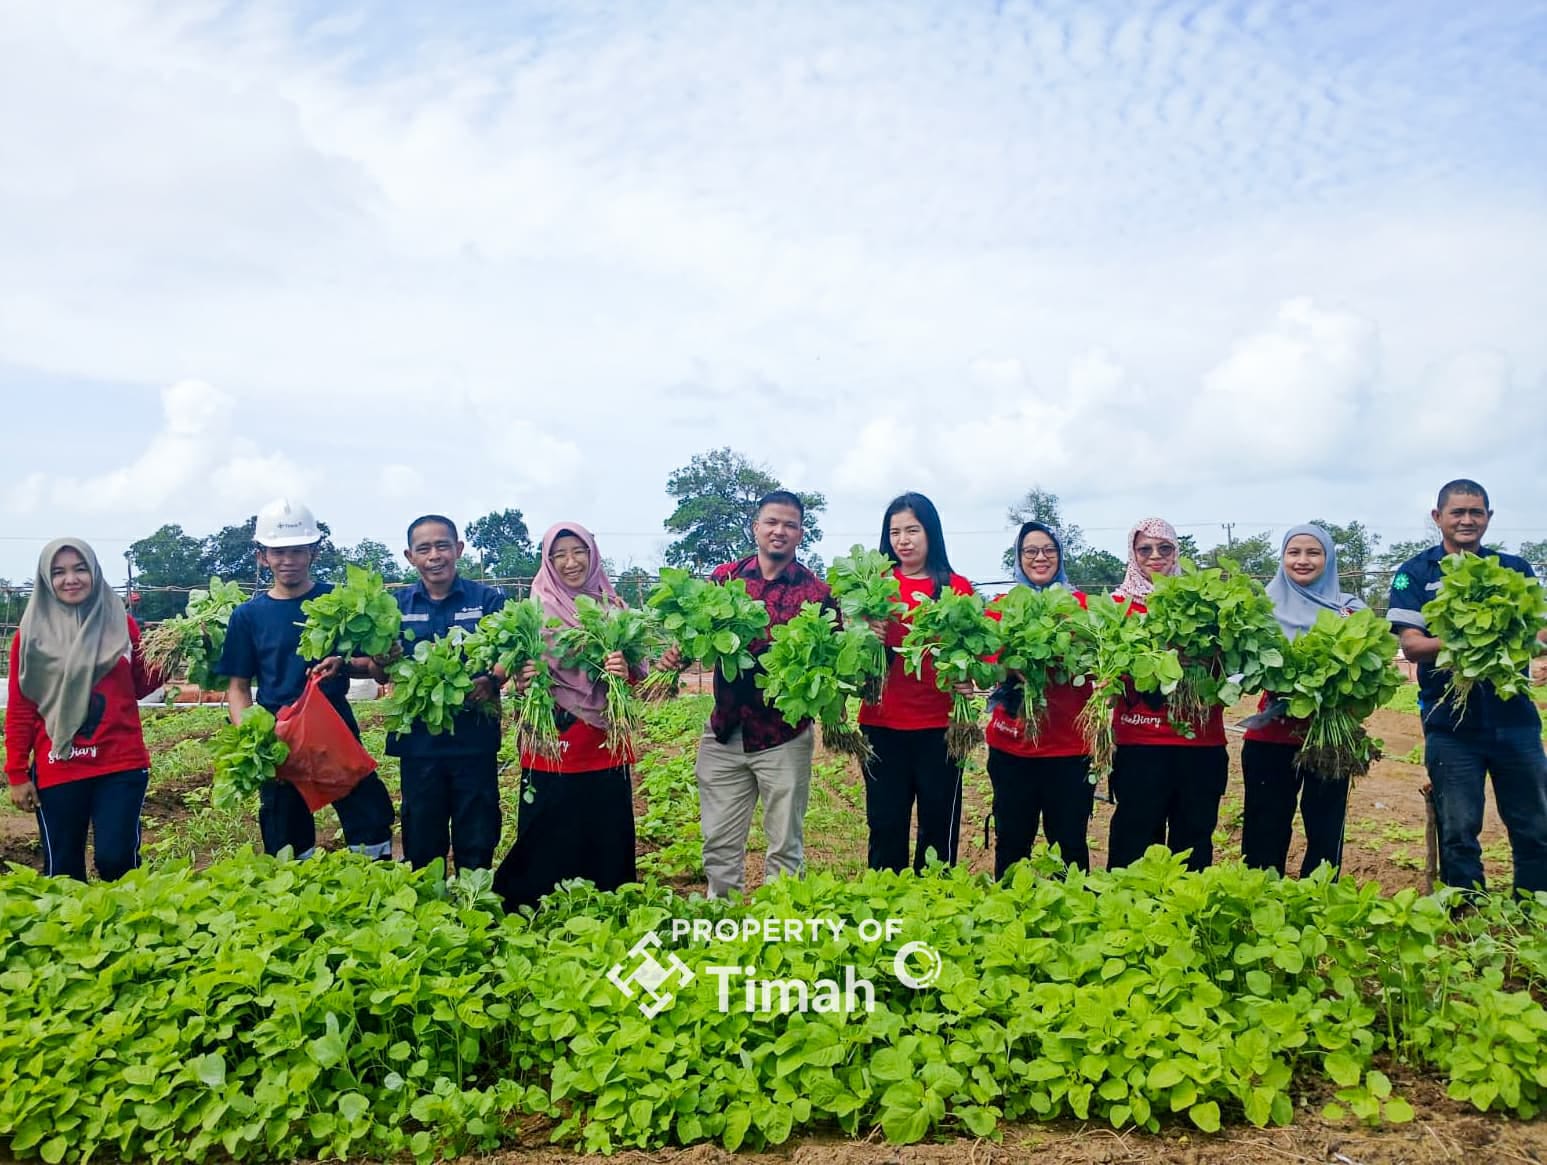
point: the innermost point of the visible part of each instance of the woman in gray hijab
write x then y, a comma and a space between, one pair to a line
74, 750
1305, 586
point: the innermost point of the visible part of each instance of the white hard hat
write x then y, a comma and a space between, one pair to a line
286, 523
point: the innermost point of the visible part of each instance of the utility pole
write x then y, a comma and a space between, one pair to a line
1229, 529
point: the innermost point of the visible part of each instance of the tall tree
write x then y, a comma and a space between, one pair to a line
1257, 555
167, 558
1357, 546
1042, 505
634, 585
372, 555
1094, 570
715, 496
230, 553
1534, 552
504, 544
1399, 552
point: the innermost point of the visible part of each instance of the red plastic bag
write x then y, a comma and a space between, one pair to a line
326, 762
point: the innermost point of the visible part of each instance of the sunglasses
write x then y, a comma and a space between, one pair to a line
1151, 550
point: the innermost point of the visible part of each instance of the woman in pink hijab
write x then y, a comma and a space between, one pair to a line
1168, 779
576, 814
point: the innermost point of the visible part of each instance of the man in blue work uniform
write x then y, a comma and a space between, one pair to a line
260, 651
450, 782
1501, 737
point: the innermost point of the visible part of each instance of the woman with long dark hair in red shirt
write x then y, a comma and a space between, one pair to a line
906, 728
74, 750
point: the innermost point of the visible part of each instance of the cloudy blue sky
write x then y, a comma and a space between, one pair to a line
1221, 262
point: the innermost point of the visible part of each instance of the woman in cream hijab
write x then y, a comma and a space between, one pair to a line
75, 753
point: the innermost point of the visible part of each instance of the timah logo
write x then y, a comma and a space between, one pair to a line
650, 969
649, 976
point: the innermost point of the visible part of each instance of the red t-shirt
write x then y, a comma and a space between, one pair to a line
1138, 721
1058, 733
111, 740
910, 702
1279, 730
582, 749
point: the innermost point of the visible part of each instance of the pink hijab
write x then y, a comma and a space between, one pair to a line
573, 688
1137, 584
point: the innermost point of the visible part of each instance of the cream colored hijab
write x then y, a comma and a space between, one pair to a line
65, 650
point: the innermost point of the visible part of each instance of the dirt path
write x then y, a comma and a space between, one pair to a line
1442, 1131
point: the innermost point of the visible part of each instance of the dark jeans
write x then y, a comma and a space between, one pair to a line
1457, 763
365, 815
451, 802
110, 805
1054, 791
1273, 784
911, 765
1170, 793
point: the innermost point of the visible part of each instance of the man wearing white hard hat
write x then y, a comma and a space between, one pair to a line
261, 645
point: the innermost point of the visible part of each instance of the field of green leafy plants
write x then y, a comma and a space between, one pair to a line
219, 1005
258, 1009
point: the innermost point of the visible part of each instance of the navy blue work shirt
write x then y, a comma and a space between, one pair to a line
468, 601
1413, 586
263, 638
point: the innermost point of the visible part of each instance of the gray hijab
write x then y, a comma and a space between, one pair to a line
65, 650
1296, 607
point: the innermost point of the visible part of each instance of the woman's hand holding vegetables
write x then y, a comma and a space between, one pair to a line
616, 665
522, 680
878, 628
671, 659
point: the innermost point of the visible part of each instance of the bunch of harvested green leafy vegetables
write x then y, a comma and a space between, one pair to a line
1220, 621
602, 630
811, 668
194, 639
865, 585
1487, 618
1334, 675
956, 634
714, 625
357, 617
246, 755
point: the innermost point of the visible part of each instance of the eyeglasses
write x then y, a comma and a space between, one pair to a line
1162, 550
1039, 552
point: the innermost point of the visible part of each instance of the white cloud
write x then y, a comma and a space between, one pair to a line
400, 482
1292, 397
483, 258
198, 457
